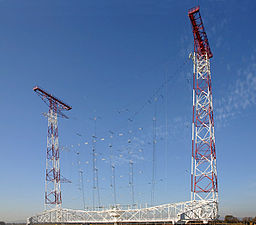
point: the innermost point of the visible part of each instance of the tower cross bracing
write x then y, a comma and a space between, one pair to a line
203, 167
52, 195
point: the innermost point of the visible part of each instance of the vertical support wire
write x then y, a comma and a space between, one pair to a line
154, 155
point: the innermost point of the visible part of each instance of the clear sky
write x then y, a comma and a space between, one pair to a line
106, 59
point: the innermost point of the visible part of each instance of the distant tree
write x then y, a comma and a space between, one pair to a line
247, 220
230, 219
2, 223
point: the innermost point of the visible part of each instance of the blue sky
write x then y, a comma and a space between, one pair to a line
106, 59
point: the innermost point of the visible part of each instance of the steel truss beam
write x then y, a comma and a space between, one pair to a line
175, 212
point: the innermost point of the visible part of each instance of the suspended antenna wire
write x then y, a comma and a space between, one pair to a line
157, 91
131, 180
166, 134
98, 190
112, 165
82, 186
114, 182
94, 174
95, 170
131, 184
81, 180
154, 155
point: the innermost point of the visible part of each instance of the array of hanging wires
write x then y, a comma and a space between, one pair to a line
103, 156
158, 93
131, 146
95, 169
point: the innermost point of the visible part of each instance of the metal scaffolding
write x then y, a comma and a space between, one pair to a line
176, 212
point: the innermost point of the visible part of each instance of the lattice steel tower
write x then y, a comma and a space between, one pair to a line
203, 169
53, 177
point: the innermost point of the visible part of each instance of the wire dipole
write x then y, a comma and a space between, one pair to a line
82, 186
166, 134
98, 190
154, 155
112, 166
95, 170
131, 184
81, 180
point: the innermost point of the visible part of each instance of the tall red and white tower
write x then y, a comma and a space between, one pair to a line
203, 170
53, 177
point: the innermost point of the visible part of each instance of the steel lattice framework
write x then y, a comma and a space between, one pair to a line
53, 177
183, 211
203, 169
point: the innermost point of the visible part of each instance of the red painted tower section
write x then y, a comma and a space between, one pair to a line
201, 44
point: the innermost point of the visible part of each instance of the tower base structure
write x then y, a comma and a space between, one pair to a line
182, 212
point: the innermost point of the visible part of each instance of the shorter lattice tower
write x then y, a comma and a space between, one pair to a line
203, 170
52, 178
